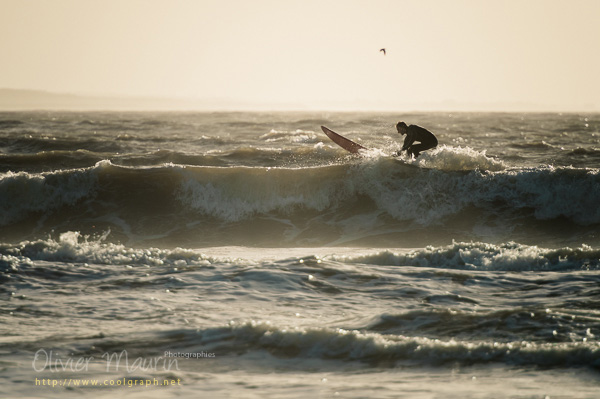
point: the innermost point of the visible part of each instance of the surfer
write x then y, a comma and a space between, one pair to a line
414, 133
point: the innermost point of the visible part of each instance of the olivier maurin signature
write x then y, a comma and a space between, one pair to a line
44, 360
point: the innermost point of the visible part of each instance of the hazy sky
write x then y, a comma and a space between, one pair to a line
316, 54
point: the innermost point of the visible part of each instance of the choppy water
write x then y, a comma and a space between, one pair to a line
291, 268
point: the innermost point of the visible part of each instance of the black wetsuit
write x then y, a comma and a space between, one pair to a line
425, 138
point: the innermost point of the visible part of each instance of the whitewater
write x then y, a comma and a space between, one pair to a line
244, 254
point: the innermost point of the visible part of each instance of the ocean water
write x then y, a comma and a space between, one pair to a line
244, 255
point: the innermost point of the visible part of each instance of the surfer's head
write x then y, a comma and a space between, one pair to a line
402, 128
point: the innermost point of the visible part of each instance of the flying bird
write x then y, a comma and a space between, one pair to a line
383, 51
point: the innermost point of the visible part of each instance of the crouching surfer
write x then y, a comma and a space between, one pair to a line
414, 133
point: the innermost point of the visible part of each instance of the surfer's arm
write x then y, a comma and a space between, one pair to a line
410, 138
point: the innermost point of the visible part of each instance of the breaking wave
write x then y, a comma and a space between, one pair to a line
376, 195
484, 256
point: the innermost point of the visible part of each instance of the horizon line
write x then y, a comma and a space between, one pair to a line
12, 99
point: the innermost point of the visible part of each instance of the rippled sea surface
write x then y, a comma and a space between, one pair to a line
246, 255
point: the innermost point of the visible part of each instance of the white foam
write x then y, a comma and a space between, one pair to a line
458, 158
73, 247
483, 256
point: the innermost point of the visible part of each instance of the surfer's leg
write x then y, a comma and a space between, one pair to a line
430, 143
416, 149
426, 145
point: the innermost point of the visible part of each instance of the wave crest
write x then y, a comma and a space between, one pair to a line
509, 256
373, 348
459, 158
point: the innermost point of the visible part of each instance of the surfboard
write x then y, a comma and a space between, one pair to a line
343, 142
353, 147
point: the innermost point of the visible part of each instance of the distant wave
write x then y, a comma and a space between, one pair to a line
585, 151
35, 142
536, 145
10, 123
299, 135
51, 159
